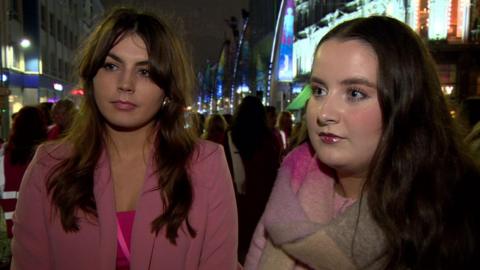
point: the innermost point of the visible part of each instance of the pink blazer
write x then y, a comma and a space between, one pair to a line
41, 243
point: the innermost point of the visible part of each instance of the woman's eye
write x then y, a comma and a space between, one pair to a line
356, 95
144, 72
109, 66
318, 91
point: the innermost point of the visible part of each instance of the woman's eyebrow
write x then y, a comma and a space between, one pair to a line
358, 80
120, 60
314, 79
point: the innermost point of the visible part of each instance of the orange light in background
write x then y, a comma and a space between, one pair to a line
453, 114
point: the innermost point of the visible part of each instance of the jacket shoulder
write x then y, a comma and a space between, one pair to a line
208, 160
50, 153
204, 149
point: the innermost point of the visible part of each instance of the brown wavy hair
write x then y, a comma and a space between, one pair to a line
422, 183
71, 183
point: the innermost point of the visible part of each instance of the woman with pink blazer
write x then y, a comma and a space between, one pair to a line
128, 187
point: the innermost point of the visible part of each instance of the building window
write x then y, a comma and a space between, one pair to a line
67, 71
52, 24
65, 36
59, 30
14, 11
53, 63
16, 56
75, 8
45, 63
70, 40
43, 17
61, 70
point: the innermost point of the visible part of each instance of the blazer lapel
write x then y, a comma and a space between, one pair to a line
149, 207
105, 200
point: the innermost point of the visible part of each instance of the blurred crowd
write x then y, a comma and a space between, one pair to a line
31, 126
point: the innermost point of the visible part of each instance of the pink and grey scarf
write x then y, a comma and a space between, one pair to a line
348, 239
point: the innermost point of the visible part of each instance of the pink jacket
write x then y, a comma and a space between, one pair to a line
41, 243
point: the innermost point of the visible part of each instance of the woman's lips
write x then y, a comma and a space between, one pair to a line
124, 105
329, 138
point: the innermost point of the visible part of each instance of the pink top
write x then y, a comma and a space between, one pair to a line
125, 222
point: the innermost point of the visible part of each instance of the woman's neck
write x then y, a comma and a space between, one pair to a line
349, 186
127, 144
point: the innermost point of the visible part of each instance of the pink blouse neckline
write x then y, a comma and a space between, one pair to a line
125, 220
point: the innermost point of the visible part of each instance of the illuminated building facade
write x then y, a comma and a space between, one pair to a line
38, 39
451, 28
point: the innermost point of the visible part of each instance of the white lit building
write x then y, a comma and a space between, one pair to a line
40, 68
433, 19
451, 28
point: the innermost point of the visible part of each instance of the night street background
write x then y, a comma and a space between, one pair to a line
203, 21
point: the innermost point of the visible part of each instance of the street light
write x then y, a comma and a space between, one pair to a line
25, 43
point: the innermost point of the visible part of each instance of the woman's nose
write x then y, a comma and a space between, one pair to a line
126, 82
328, 111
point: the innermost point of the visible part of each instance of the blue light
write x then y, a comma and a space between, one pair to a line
32, 65
297, 89
285, 63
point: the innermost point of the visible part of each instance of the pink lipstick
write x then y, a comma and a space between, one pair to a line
329, 138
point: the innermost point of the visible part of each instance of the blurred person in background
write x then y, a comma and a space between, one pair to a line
46, 108
128, 187
271, 112
254, 155
299, 133
63, 113
195, 122
228, 118
28, 131
271, 116
215, 129
284, 125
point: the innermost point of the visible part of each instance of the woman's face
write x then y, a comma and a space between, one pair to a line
343, 115
123, 90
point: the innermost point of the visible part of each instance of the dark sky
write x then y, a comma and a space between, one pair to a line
204, 26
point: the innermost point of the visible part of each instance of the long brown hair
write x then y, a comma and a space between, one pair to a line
71, 183
421, 184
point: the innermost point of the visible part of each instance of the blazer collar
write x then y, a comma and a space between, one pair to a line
105, 200
149, 207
